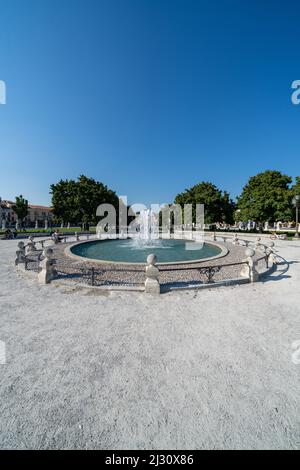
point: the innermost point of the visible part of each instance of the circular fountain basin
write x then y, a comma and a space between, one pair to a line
129, 251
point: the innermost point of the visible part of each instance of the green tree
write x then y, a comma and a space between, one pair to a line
296, 187
228, 208
77, 201
64, 201
20, 208
218, 207
266, 198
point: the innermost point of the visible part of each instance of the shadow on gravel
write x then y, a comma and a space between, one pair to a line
283, 267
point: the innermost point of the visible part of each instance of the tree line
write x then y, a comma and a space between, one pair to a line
266, 197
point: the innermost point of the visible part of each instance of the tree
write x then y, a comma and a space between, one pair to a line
20, 208
266, 198
296, 187
228, 209
63, 201
77, 201
218, 207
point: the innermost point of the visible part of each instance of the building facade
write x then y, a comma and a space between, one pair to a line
37, 215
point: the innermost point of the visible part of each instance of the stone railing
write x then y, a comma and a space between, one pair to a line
25, 250
249, 265
249, 271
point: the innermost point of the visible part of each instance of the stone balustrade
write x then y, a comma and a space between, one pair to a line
20, 254
30, 247
271, 253
152, 285
249, 266
47, 267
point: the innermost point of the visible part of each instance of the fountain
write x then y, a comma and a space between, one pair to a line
141, 240
144, 231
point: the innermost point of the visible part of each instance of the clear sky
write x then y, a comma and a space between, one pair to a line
147, 96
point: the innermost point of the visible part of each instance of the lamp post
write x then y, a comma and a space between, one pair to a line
296, 203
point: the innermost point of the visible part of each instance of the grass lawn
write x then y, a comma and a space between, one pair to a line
62, 230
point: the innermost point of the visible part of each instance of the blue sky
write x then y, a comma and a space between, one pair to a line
147, 96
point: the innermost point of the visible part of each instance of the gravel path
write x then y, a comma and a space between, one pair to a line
197, 369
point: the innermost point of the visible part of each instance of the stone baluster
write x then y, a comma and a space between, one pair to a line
272, 258
235, 240
20, 254
152, 285
30, 245
249, 268
47, 265
259, 246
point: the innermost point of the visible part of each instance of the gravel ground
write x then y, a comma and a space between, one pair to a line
202, 369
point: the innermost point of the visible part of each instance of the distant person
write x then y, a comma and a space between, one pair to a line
7, 234
56, 237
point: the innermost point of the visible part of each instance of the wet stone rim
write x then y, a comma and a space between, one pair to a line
222, 247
